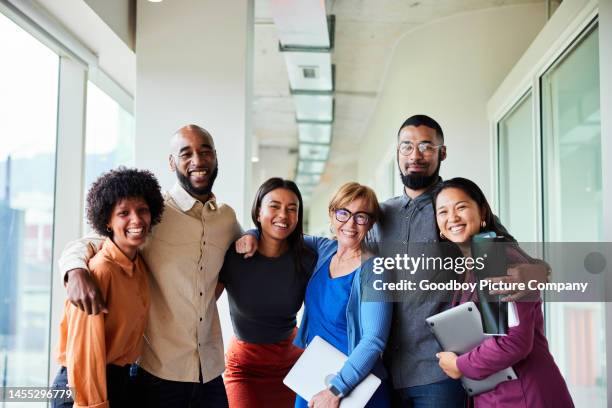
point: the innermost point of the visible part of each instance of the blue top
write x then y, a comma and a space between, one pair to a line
367, 323
326, 300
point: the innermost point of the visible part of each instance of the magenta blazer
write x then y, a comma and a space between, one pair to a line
525, 348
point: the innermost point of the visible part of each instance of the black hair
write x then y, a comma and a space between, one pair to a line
296, 238
119, 184
476, 194
423, 120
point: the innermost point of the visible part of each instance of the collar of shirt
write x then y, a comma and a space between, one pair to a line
113, 252
422, 199
186, 201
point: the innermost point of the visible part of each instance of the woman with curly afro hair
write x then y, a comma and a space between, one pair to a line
96, 351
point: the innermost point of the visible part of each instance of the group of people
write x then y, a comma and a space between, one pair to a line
141, 326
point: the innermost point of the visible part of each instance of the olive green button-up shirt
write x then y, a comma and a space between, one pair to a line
184, 254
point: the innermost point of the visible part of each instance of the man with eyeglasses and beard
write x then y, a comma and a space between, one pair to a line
409, 220
182, 358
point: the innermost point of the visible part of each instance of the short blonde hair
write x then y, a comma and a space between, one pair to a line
352, 191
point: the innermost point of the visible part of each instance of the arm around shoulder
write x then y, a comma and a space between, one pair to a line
77, 253
81, 288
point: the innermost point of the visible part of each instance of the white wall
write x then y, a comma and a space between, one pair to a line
448, 69
194, 66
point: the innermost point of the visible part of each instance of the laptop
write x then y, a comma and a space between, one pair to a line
317, 365
460, 330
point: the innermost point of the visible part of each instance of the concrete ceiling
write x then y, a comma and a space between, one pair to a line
366, 32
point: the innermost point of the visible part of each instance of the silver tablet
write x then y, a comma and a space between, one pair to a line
316, 365
459, 330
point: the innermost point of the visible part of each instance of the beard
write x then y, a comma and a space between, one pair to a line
420, 181
195, 191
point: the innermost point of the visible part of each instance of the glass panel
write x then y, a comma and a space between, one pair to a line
517, 189
314, 133
314, 107
314, 151
109, 135
308, 179
28, 102
573, 209
310, 167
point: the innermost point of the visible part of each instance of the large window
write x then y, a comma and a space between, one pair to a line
28, 102
573, 210
567, 205
109, 135
50, 135
517, 185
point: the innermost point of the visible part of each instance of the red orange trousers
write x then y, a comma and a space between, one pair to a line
254, 373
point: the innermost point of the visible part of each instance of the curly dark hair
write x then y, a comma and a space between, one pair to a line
119, 184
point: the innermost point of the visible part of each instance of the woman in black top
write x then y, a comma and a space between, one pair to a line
265, 293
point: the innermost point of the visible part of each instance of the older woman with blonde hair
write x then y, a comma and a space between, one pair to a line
333, 308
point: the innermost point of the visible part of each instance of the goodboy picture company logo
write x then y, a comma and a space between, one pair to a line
576, 272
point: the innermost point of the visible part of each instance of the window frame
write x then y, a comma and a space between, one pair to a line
77, 65
580, 20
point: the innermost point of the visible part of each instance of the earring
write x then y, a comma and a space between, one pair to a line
331, 229
483, 224
442, 235
108, 229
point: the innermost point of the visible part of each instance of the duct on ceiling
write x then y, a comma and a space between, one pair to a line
306, 36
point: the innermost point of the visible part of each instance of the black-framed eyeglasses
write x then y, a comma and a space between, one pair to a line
426, 148
361, 218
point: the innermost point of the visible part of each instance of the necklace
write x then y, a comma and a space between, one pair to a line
340, 260
347, 258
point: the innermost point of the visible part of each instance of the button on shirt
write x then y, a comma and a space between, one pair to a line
184, 253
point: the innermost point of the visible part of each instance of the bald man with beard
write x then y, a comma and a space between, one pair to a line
182, 358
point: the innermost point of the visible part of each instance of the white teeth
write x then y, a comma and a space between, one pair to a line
199, 173
280, 224
135, 230
456, 228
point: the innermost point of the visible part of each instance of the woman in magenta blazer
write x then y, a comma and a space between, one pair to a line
462, 211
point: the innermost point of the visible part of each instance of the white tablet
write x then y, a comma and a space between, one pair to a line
459, 330
320, 362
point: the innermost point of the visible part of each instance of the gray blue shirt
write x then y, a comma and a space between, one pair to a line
411, 349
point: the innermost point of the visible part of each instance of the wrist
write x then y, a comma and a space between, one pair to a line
73, 272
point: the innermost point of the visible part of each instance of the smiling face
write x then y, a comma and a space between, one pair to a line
458, 216
349, 233
278, 214
194, 160
419, 169
130, 221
